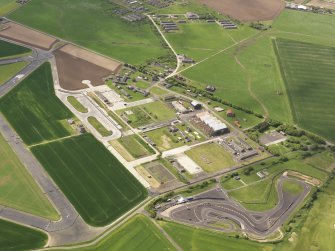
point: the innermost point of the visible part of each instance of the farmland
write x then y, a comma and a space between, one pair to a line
9, 70
17, 187
308, 73
211, 157
206, 240
131, 236
16, 237
89, 175
131, 43
9, 50
33, 109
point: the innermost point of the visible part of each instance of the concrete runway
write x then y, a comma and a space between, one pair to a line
215, 206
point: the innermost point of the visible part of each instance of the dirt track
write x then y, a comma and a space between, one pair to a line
247, 10
72, 71
27, 36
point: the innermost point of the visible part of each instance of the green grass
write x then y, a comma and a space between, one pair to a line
259, 196
292, 187
103, 31
149, 113
99, 127
196, 239
138, 233
308, 71
317, 231
136, 146
158, 91
76, 104
8, 50
96, 183
324, 160
10, 70
18, 189
33, 109
7, 6
16, 237
211, 157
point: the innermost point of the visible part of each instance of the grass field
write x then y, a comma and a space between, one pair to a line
104, 32
95, 182
8, 50
149, 113
33, 109
211, 157
197, 239
9, 70
99, 127
138, 233
324, 160
292, 187
308, 71
18, 189
259, 196
136, 146
317, 232
16, 237
76, 104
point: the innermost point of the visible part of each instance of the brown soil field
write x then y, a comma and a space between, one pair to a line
73, 70
27, 36
89, 56
247, 10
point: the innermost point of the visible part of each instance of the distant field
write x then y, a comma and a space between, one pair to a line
96, 183
211, 157
18, 189
308, 71
317, 231
192, 238
104, 32
33, 109
138, 233
17, 237
9, 70
8, 49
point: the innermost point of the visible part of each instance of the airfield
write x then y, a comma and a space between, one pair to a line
155, 123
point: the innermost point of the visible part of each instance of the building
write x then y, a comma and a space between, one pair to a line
210, 88
230, 113
179, 107
214, 125
196, 105
191, 15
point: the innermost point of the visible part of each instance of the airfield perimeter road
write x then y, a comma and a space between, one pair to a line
214, 205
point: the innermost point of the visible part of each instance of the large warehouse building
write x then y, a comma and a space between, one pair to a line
214, 125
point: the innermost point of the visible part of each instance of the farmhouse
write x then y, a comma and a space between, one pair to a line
230, 113
210, 88
191, 15
196, 105
214, 125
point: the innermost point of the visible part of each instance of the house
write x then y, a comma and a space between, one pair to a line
191, 15
210, 88
230, 113
196, 105
188, 60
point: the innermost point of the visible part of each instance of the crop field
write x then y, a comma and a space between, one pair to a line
17, 237
9, 70
138, 233
95, 182
8, 50
99, 127
206, 240
129, 42
18, 189
136, 146
33, 109
308, 71
317, 231
211, 157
